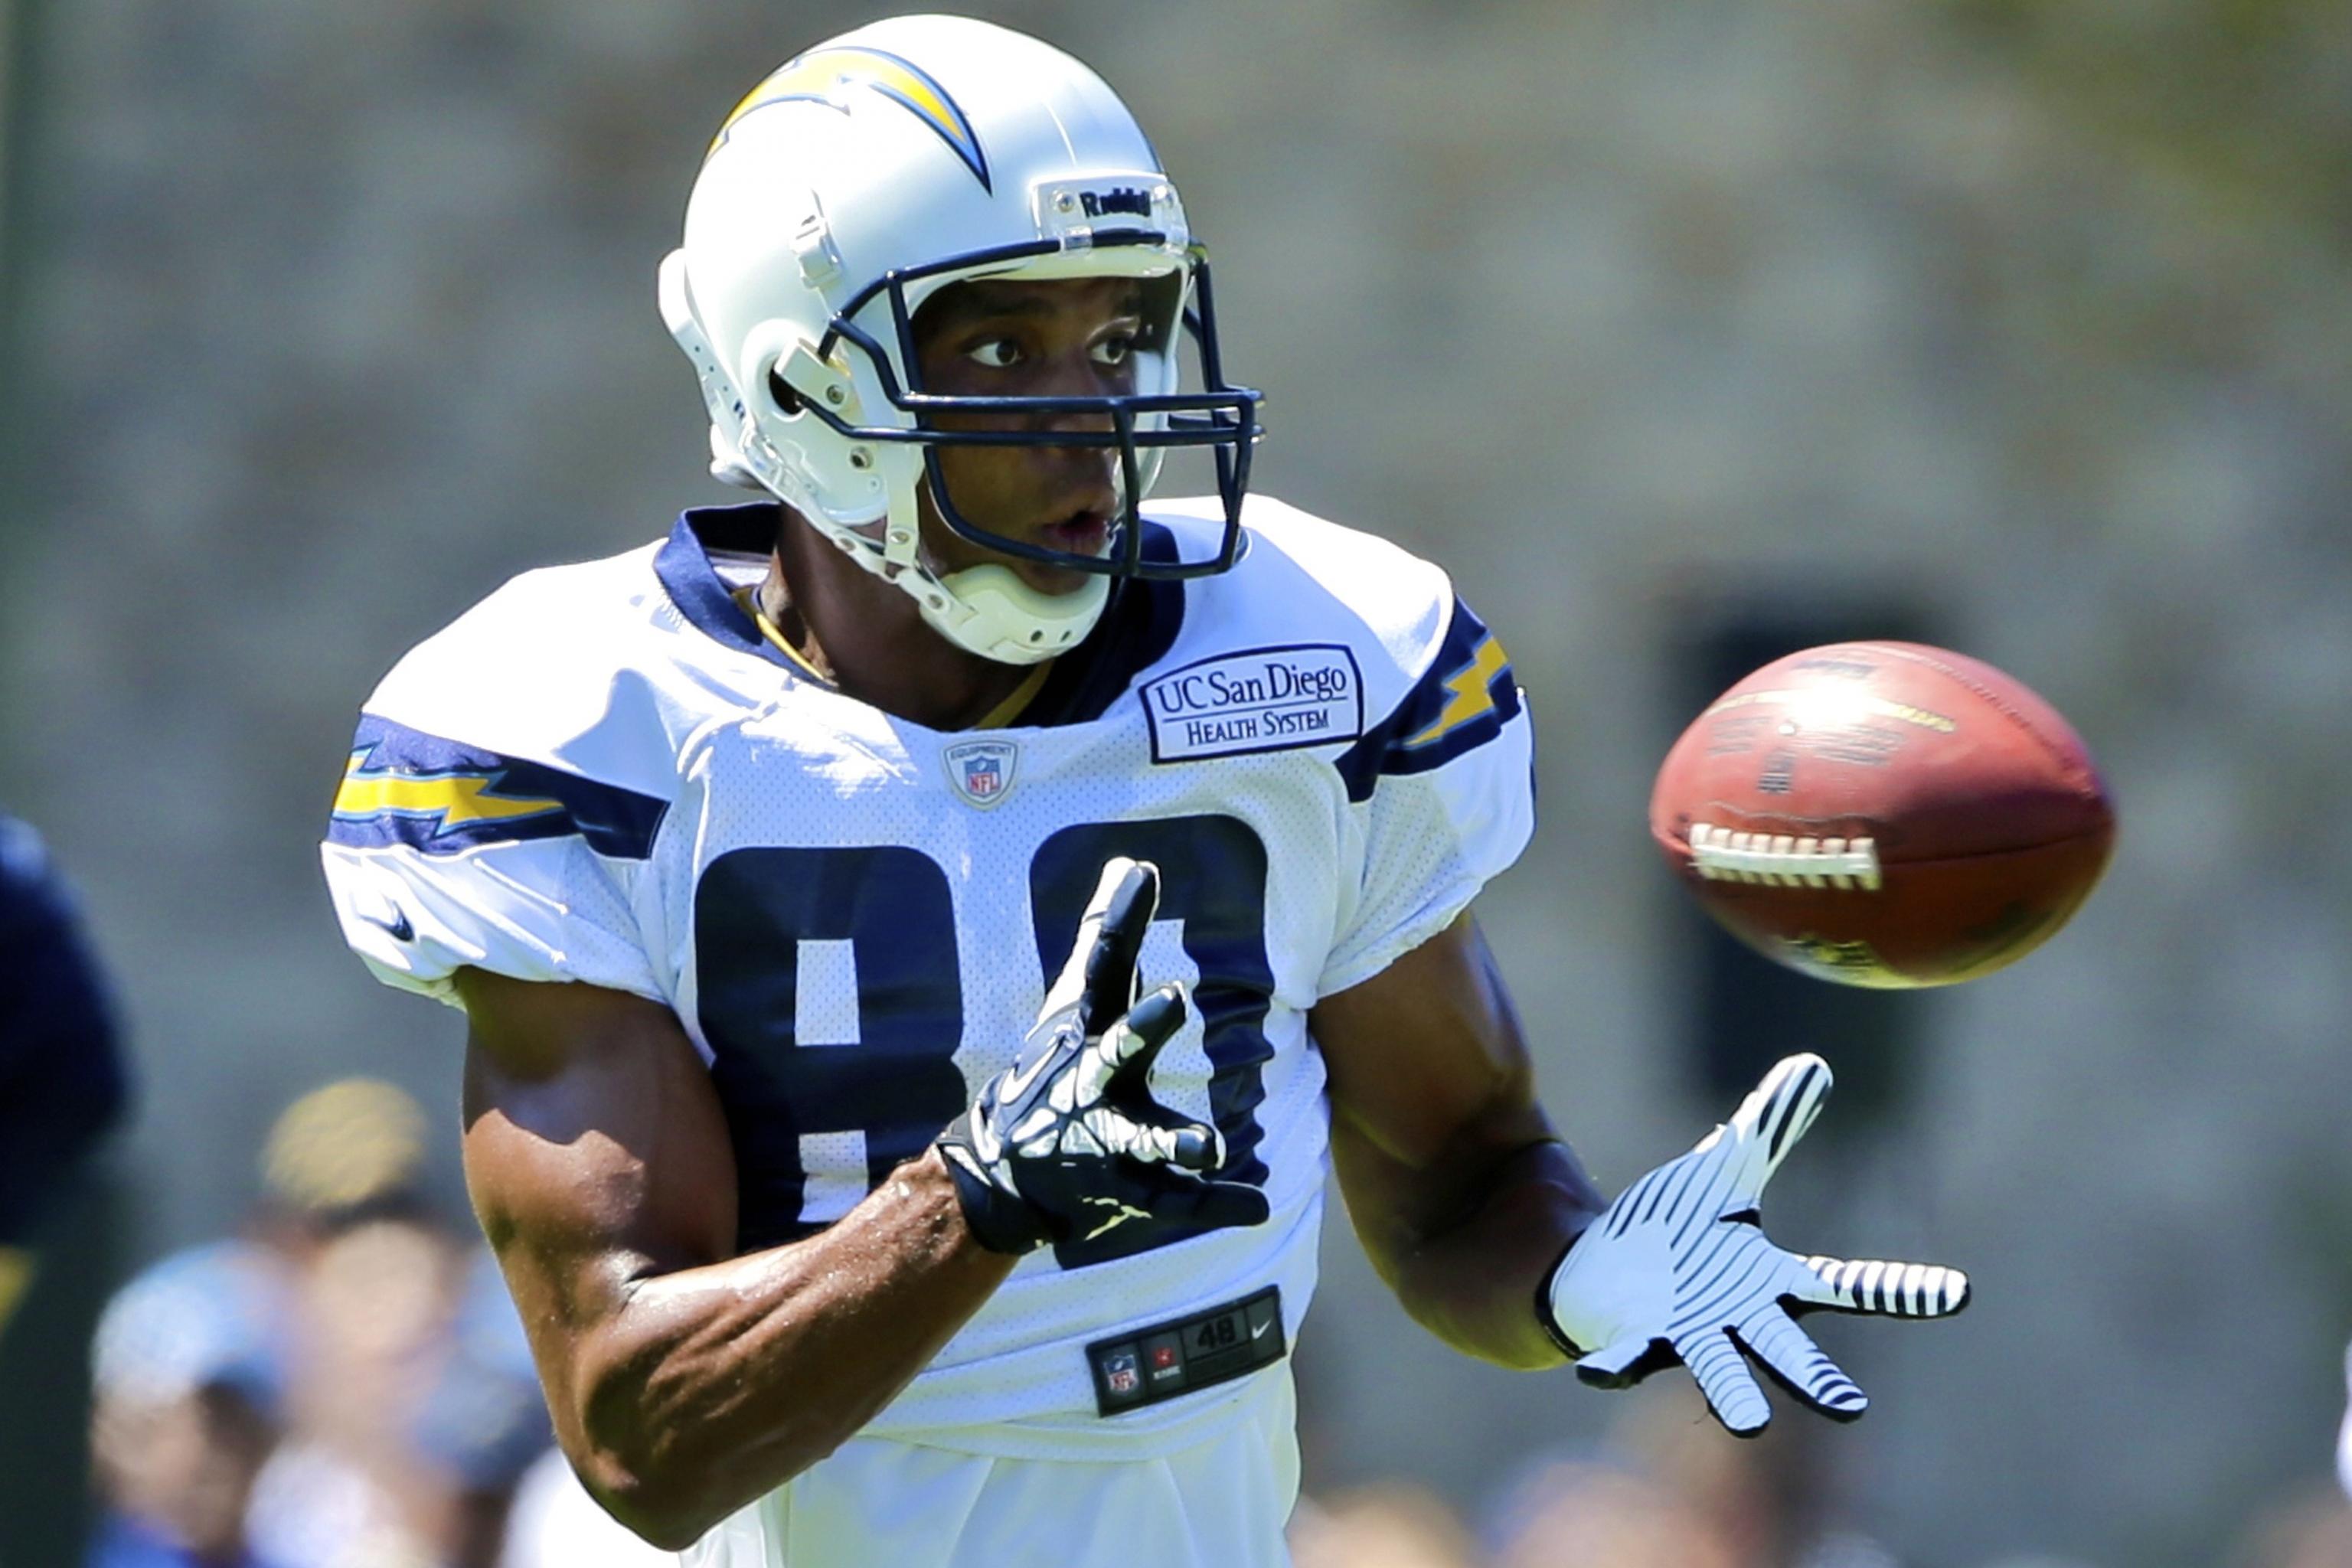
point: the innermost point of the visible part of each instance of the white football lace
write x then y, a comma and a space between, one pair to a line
1783, 859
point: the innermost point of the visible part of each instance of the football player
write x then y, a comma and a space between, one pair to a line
927, 933
64, 1081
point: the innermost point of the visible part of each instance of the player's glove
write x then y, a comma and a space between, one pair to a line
1677, 1270
1067, 1145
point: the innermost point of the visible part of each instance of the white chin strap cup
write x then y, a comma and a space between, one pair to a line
990, 611
986, 610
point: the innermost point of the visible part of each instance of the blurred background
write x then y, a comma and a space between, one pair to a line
1683, 334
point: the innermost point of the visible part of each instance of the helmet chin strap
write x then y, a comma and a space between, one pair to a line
1007, 620
1002, 617
985, 610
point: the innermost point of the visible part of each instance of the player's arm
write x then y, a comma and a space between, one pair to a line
1463, 1194
684, 1381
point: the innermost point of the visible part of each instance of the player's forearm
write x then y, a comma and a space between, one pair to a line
1473, 1283
712, 1385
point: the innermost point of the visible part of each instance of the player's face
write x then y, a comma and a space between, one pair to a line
1073, 337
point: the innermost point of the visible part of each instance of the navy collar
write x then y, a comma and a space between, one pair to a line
683, 567
1137, 627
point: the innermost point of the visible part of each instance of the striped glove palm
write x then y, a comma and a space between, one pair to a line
1678, 1269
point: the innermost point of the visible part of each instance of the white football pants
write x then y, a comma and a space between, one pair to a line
1221, 1503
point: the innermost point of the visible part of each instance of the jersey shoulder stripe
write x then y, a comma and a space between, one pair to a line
1462, 701
403, 787
1305, 581
592, 673
1436, 681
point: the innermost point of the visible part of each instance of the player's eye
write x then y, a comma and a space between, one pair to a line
996, 353
1115, 349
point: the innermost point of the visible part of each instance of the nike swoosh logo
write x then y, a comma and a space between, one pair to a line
1259, 1332
1015, 1084
1126, 1212
399, 927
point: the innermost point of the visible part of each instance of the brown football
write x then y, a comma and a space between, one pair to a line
1884, 814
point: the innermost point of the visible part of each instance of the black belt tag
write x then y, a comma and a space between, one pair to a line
1145, 1366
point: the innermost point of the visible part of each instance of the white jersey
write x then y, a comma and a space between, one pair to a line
604, 773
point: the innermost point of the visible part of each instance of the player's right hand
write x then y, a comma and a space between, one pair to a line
1068, 1144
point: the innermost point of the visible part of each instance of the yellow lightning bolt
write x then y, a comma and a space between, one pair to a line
1469, 686
456, 799
823, 74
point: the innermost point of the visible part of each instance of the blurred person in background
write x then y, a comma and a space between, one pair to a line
63, 1077
1768, 1502
410, 1410
63, 1080
1393, 1524
188, 1380
345, 1383
1670, 1486
484, 1427
2312, 1529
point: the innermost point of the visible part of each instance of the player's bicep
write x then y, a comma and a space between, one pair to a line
596, 1153
1431, 1084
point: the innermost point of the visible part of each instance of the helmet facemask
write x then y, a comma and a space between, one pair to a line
1138, 429
854, 185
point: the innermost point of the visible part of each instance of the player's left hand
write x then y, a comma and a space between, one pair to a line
1679, 1269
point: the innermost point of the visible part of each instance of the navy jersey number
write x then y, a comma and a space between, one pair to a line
1212, 878
899, 1083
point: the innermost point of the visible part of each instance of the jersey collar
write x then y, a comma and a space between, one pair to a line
687, 572
1137, 628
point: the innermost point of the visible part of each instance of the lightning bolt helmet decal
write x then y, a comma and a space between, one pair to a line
832, 74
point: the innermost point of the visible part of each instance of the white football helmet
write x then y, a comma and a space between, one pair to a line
857, 181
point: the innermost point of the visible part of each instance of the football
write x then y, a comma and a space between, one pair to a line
1884, 814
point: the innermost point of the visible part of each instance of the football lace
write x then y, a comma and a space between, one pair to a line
1783, 859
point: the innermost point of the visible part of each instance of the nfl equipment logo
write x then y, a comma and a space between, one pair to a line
1118, 1373
982, 771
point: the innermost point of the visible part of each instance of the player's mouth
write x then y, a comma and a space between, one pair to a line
1084, 531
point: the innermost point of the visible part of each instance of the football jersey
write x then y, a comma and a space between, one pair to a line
605, 773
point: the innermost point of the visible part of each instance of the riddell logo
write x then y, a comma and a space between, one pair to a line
1121, 199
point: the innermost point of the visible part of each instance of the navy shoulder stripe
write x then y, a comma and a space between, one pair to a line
405, 786
1460, 703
